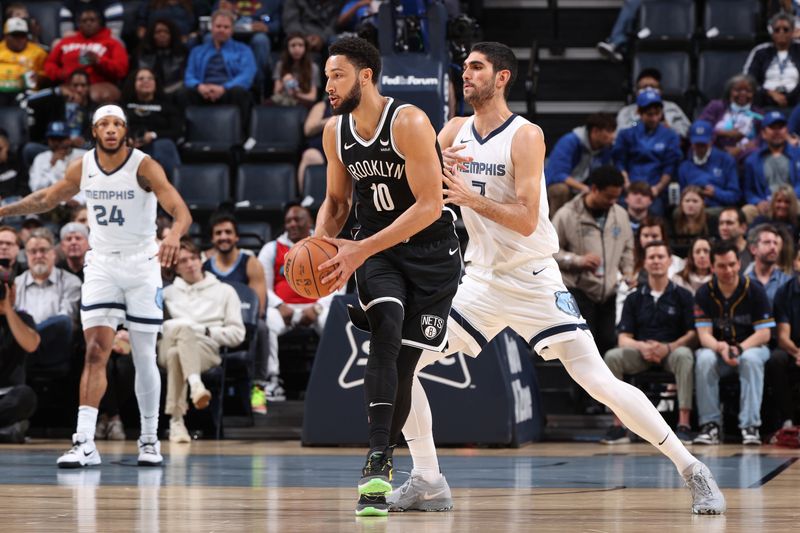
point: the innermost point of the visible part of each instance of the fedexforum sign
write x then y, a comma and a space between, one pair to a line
408, 80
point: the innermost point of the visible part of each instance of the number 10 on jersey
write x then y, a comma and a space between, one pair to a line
115, 217
382, 197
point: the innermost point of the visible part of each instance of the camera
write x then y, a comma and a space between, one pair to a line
291, 84
6, 276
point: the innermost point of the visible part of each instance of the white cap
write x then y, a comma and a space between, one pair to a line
109, 111
16, 25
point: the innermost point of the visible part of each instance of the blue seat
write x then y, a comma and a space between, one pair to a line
254, 235
714, 68
203, 187
47, 14
278, 133
212, 133
315, 184
675, 68
730, 22
666, 24
265, 186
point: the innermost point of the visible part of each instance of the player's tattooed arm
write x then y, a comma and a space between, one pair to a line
46, 199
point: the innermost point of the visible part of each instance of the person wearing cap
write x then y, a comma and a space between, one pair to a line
21, 61
649, 79
74, 244
776, 163
711, 169
94, 50
649, 151
50, 166
122, 278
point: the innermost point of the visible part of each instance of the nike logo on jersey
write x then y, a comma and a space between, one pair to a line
348, 146
429, 496
452, 252
384, 143
92, 175
536, 272
375, 404
462, 141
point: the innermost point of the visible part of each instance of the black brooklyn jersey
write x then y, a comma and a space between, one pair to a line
379, 170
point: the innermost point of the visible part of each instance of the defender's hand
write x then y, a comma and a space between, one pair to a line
451, 157
456, 192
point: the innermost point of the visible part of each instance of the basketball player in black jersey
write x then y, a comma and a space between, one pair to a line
405, 253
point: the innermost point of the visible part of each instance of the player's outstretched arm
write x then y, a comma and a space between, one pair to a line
522, 215
152, 177
46, 199
339, 195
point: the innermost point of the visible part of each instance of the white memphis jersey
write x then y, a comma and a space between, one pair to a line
491, 171
122, 215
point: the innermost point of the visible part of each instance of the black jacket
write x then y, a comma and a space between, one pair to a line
758, 62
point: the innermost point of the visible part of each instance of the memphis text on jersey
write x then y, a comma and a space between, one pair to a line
110, 195
376, 168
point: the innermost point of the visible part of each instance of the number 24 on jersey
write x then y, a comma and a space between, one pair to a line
114, 217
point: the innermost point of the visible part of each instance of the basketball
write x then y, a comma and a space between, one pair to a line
300, 267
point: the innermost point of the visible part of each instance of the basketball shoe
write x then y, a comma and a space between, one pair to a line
375, 484
82, 453
149, 451
417, 494
258, 401
706, 496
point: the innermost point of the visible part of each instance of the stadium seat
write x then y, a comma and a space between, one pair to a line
129, 22
212, 133
254, 235
47, 14
15, 121
278, 133
203, 187
666, 24
714, 68
265, 186
674, 67
728, 22
314, 185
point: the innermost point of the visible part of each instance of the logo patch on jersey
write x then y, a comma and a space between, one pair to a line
348, 146
384, 143
566, 303
160, 298
431, 326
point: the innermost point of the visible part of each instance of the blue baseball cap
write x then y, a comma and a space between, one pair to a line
57, 129
701, 132
773, 117
647, 98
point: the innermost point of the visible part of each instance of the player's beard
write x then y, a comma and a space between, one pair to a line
349, 102
110, 151
480, 95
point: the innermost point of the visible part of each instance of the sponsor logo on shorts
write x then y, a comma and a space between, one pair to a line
567, 304
431, 326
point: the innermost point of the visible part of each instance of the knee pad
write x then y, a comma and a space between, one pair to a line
386, 326
581, 346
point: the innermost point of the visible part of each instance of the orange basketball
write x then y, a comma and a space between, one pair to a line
300, 267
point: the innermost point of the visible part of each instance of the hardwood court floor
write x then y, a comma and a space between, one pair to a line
234, 486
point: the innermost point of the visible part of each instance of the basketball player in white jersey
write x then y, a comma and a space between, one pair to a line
512, 280
122, 274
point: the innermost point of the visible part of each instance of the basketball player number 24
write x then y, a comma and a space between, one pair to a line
115, 217
382, 197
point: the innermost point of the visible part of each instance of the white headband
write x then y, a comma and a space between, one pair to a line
109, 111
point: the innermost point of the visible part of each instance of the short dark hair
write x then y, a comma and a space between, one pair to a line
189, 245
655, 244
722, 248
360, 52
14, 231
739, 214
501, 57
640, 187
79, 72
649, 73
606, 176
601, 121
219, 218
295, 203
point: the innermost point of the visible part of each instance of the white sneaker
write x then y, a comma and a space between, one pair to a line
706, 496
178, 432
416, 494
83, 453
274, 391
201, 396
150, 452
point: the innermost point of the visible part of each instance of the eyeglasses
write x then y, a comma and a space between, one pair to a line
781, 29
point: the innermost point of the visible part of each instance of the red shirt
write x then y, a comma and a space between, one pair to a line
112, 59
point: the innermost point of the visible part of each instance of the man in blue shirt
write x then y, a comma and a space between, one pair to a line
221, 71
575, 155
733, 320
775, 164
656, 329
765, 244
649, 151
783, 367
711, 169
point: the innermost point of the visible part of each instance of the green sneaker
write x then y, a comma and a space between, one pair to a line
258, 400
372, 505
375, 485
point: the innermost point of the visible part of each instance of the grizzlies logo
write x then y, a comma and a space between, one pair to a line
566, 303
160, 298
431, 326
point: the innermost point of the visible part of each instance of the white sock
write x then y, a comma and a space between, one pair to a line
148, 380
583, 362
87, 421
176, 419
195, 381
418, 432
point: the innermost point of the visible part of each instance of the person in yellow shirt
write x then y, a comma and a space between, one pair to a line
21, 61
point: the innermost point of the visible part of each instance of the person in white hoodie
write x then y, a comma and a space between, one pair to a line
202, 315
